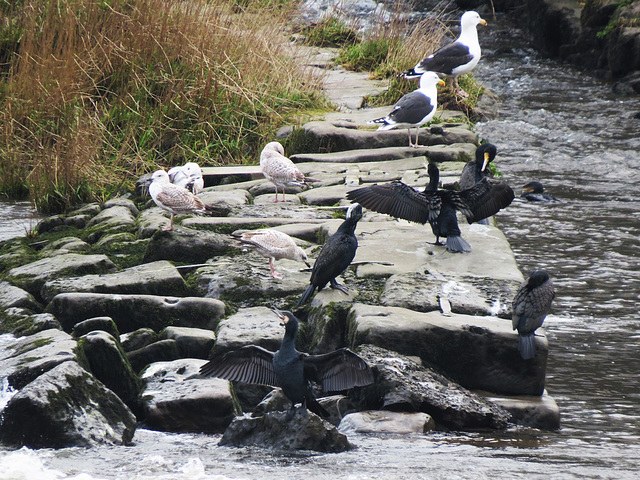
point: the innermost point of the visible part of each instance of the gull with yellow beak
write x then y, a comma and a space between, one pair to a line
457, 58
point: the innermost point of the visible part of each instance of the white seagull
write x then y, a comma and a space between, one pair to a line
173, 198
456, 58
188, 176
415, 108
278, 169
274, 245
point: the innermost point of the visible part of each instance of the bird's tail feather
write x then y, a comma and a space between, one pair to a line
315, 407
409, 74
484, 221
306, 295
457, 244
527, 346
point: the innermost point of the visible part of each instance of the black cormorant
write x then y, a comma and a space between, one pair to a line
291, 370
438, 207
476, 170
534, 192
335, 256
530, 306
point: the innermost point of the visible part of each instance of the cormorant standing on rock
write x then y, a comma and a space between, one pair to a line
336, 255
474, 171
291, 370
438, 207
534, 192
530, 307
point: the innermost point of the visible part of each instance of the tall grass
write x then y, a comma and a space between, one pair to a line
95, 93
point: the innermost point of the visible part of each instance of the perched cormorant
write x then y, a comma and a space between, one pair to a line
456, 58
173, 198
278, 169
291, 370
336, 255
272, 244
438, 207
530, 306
415, 108
534, 192
475, 170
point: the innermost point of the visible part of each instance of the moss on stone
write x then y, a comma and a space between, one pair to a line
300, 141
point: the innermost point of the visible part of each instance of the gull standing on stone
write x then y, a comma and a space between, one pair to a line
415, 108
278, 169
173, 198
188, 176
456, 58
274, 245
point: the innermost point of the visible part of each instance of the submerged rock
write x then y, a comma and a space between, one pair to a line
274, 430
66, 407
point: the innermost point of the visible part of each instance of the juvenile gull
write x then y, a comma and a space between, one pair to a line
456, 58
173, 198
292, 370
530, 307
188, 176
278, 169
415, 108
274, 245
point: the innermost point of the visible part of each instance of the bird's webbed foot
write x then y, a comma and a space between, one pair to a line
343, 288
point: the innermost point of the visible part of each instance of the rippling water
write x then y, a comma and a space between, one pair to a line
560, 127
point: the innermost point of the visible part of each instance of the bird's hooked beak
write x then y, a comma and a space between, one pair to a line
441, 83
486, 161
483, 22
281, 316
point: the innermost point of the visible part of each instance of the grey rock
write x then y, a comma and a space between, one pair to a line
228, 197
110, 239
25, 358
12, 296
155, 278
109, 364
185, 245
33, 276
89, 209
122, 202
21, 322
65, 245
435, 153
192, 342
131, 312
274, 430
160, 351
403, 385
174, 402
105, 324
536, 412
66, 407
138, 339
112, 218
150, 221
379, 421
49, 223
477, 352
250, 326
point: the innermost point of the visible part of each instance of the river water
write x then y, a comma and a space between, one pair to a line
567, 130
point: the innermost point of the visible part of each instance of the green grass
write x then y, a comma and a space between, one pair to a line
330, 32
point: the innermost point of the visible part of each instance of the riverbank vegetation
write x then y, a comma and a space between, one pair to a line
95, 93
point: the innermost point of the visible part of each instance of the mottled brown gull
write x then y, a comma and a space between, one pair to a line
274, 245
173, 198
278, 169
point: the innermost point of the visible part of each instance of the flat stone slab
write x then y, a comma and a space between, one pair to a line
381, 421
32, 276
531, 411
12, 296
116, 216
480, 353
131, 312
250, 326
155, 278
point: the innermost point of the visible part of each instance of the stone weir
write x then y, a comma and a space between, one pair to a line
107, 318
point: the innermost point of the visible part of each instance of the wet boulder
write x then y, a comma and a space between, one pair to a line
185, 245
12, 296
21, 322
160, 351
131, 312
105, 324
25, 358
156, 278
122, 202
192, 342
110, 365
138, 339
381, 421
403, 385
282, 431
250, 326
114, 218
65, 245
480, 353
177, 400
531, 411
66, 407
33, 276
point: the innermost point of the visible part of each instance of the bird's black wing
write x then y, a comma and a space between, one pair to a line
411, 108
530, 307
339, 370
398, 200
484, 199
447, 58
250, 364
